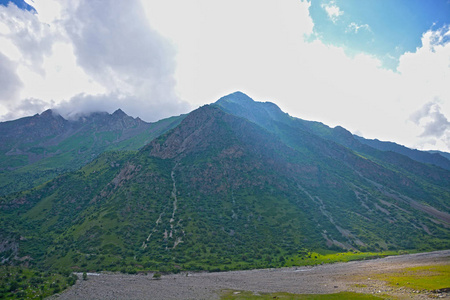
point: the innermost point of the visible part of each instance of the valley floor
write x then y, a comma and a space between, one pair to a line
358, 276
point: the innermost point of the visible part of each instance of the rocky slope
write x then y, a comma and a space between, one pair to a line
222, 192
38, 148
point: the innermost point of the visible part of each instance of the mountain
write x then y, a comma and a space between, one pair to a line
270, 116
440, 159
444, 154
38, 148
221, 191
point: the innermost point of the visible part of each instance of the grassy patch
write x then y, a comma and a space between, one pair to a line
38, 211
420, 278
314, 258
24, 283
250, 295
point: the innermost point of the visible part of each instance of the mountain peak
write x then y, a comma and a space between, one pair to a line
119, 113
237, 97
49, 113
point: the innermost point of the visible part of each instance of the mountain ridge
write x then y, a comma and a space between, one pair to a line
46, 144
219, 191
338, 134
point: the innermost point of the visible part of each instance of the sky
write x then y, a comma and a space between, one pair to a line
379, 68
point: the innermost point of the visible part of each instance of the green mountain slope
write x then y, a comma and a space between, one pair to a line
221, 192
38, 148
292, 130
440, 159
270, 116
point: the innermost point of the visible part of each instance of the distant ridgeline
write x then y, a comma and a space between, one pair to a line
36, 149
233, 185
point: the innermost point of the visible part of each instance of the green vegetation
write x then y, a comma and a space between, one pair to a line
420, 278
245, 295
216, 193
25, 283
34, 161
313, 258
215, 207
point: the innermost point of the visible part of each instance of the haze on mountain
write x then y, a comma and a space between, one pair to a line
232, 185
38, 148
378, 68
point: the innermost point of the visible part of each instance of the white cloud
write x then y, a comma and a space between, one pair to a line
224, 46
115, 45
425, 75
354, 27
103, 52
9, 81
43, 58
49, 11
27, 35
63, 77
28, 107
333, 11
435, 125
432, 120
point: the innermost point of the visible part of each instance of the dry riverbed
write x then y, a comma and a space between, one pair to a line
357, 276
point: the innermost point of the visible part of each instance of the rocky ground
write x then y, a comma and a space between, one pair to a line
332, 278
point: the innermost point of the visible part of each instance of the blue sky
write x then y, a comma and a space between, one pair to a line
19, 3
379, 68
384, 28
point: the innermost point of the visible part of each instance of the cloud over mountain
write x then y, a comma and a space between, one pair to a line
434, 123
115, 45
9, 81
154, 61
104, 54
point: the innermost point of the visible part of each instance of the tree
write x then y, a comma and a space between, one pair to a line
157, 276
84, 276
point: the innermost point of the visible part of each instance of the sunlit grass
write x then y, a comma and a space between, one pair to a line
314, 258
420, 278
243, 295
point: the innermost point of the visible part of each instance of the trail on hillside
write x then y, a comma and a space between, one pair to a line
344, 232
144, 244
174, 196
172, 234
173, 231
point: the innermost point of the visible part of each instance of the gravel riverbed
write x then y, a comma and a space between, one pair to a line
329, 278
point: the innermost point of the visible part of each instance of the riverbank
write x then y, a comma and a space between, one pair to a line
370, 277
